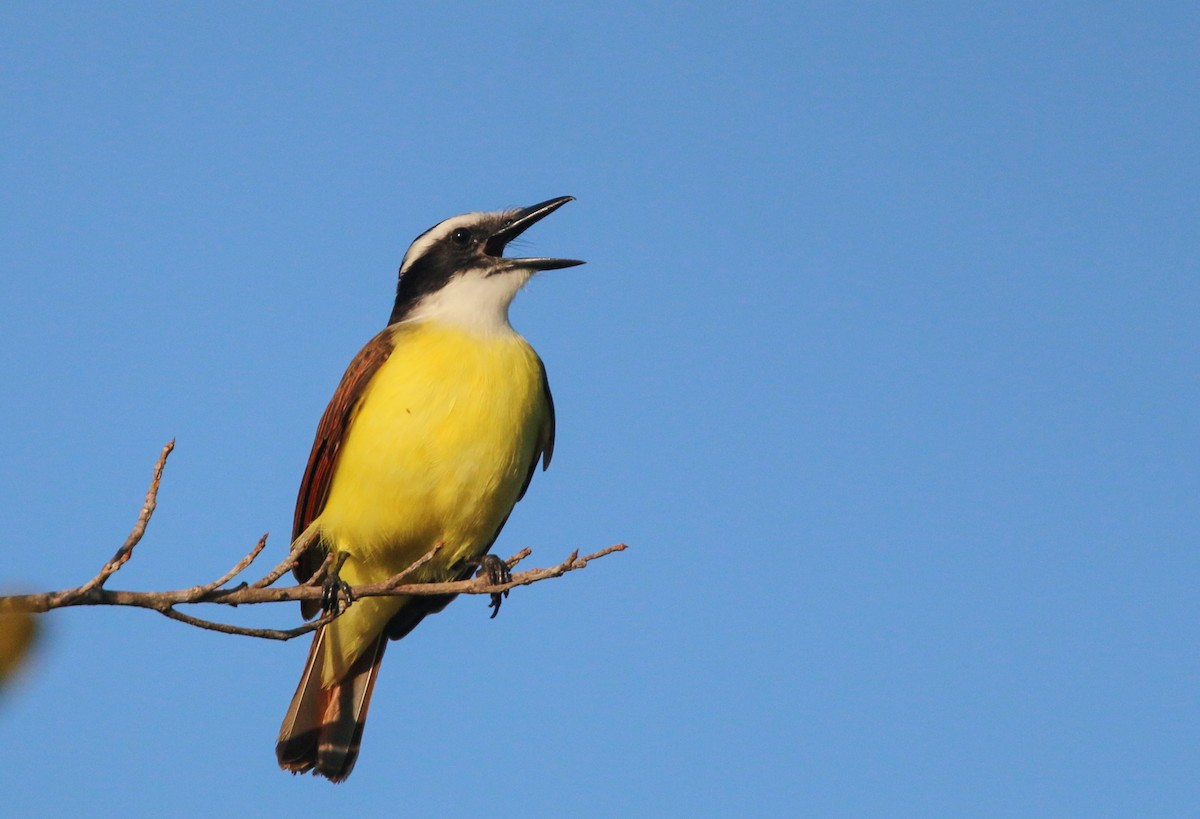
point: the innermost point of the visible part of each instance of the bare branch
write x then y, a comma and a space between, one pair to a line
264, 633
94, 593
239, 567
307, 539
139, 527
394, 581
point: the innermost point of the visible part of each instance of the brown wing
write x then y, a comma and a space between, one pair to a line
314, 488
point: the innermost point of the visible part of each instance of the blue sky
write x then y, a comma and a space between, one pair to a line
884, 363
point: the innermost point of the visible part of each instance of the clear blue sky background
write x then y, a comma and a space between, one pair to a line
884, 362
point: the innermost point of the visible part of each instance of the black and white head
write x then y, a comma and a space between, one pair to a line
457, 272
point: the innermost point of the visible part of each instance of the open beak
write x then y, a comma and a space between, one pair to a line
521, 221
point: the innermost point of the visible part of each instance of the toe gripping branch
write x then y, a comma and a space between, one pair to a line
335, 592
497, 573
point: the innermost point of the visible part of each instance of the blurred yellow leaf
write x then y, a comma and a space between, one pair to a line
18, 633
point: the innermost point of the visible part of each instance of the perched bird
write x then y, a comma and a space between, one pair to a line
432, 436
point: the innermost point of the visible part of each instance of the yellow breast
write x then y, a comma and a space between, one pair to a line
437, 452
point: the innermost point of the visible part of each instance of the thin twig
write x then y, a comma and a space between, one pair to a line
264, 633
318, 577
394, 581
241, 566
139, 528
518, 557
301, 545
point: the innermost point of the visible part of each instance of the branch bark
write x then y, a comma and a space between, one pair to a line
93, 592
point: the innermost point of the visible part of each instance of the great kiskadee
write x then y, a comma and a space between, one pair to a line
430, 439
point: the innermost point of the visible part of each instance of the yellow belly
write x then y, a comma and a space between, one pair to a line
438, 452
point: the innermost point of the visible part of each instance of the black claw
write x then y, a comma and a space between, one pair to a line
497, 574
336, 593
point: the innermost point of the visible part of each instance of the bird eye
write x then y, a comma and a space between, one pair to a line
461, 237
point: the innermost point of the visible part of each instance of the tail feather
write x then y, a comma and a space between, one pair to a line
323, 726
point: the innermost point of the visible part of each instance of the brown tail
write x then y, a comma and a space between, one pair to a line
324, 726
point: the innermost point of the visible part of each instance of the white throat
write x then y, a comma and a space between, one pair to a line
474, 301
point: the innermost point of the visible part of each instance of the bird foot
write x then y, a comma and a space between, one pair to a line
497, 573
336, 594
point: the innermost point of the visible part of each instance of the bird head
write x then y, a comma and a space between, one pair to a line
457, 272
